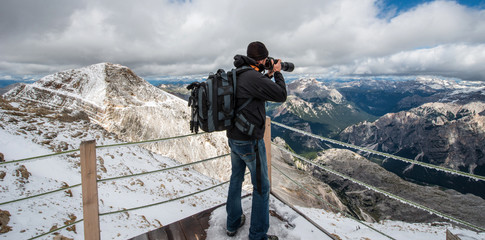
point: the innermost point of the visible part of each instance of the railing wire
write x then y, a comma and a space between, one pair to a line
329, 204
164, 169
423, 164
115, 178
456, 220
41, 194
476, 177
145, 206
166, 201
103, 146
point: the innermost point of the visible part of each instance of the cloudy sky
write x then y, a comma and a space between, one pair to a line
173, 37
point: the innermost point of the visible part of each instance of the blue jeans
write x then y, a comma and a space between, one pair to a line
243, 155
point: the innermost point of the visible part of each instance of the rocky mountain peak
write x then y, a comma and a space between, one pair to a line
114, 97
101, 85
310, 88
446, 134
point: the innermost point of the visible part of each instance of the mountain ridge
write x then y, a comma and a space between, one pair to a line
115, 97
428, 132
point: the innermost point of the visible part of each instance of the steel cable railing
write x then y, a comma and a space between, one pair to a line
423, 164
77, 150
327, 203
220, 184
149, 205
99, 147
390, 195
116, 178
135, 208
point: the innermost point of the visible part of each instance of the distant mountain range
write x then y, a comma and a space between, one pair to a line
439, 121
331, 109
433, 118
450, 111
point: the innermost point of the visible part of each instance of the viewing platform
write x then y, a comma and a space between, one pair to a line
196, 227
193, 227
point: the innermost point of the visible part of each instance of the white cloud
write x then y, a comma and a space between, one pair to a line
172, 37
454, 60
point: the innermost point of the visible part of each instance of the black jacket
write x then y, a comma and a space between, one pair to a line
254, 84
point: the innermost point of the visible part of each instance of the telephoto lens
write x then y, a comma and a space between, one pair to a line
285, 66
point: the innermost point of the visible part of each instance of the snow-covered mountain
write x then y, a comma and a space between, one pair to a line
317, 108
310, 88
379, 97
446, 134
109, 103
126, 105
27, 131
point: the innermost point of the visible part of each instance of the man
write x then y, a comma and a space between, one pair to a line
248, 149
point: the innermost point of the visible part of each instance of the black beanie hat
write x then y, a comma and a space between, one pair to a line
257, 51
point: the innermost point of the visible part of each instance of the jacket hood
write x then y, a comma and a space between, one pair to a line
240, 60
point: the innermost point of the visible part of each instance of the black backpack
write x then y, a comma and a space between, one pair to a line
213, 103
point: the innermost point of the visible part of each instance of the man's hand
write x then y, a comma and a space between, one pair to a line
276, 67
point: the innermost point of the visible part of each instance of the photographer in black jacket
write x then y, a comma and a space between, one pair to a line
248, 150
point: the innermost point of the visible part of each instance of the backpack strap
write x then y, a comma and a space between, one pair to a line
244, 125
244, 104
227, 101
234, 73
240, 120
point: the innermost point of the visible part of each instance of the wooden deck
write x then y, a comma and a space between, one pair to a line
189, 228
193, 227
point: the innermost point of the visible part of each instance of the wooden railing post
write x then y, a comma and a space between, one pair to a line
90, 190
267, 144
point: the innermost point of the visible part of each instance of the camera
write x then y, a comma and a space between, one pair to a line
285, 66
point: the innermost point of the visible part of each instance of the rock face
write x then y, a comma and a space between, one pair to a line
284, 163
314, 107
372, 206
445, 134
117, 99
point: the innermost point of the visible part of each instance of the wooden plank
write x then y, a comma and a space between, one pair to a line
157, 234
141, 237
267, 144
89, 190
170, 231
174, 232
204, 218
192, 229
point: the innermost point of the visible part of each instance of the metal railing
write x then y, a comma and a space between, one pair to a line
89, 182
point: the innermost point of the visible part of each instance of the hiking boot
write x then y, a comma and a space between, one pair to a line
231, 234
272, 237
